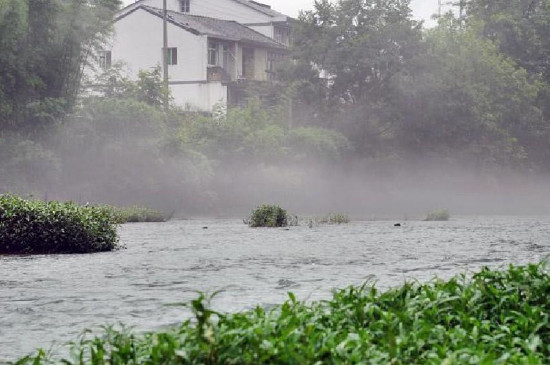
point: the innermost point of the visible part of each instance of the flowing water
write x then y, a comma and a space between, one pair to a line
51, 299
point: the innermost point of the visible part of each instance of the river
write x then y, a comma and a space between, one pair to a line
46, 301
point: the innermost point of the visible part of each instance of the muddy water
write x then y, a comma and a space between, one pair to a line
51, 299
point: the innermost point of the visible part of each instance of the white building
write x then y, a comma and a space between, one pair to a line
252, 14
211, 52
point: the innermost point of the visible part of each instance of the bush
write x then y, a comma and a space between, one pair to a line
137, 214
269, 216
438, 215
497, 317
37, 227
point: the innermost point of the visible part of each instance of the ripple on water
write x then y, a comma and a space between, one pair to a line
53, 298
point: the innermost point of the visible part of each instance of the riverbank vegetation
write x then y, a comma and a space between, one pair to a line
470, 94
438, 215
38, 227
495, 317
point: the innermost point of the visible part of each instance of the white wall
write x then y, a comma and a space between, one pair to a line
266, 30
138, 42
199, 96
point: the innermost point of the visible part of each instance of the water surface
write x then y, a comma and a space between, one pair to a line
51, 299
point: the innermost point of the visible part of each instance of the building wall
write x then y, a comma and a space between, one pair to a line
199, 96
138, 42
260, 59
265, 29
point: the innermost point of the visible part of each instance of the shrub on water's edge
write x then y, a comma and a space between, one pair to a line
38, 227
270, 216
438, 215
496, 317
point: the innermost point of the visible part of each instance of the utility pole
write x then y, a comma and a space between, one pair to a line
165, 57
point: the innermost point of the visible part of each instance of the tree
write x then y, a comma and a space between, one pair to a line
45, 44
359, 45
466, 100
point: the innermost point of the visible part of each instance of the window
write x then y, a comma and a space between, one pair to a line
104, 59
185, 6
273, 61
172, 55
282, 35
213, 58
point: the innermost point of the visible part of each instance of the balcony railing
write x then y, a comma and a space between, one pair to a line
217, 74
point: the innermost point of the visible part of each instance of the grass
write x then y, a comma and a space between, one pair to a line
495, 317
438, 215
332, 218
137, 214
37, 227
270, 216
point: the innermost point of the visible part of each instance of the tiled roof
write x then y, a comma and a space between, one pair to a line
216, 28
264, 9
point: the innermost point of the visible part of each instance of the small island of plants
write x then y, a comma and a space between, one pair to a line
137, 214
36, 227
271, 216
495, 317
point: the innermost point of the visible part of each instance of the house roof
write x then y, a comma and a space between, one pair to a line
216, 28
265, 9
259, 7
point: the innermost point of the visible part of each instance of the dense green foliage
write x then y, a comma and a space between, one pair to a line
471, 90
496, 317
438, 215
44, 45
258, 133
268, 216
37, 227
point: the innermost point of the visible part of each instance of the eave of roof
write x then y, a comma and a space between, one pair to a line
261, 40
266, 11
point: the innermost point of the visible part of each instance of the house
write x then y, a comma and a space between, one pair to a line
209, 58
252, 14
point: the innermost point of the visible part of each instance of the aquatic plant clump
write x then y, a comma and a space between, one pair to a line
334, 218
495, 317
270, 216
438, 215
136, 214
38, 227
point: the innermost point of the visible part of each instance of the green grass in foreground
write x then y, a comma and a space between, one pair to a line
38, 227
496, 317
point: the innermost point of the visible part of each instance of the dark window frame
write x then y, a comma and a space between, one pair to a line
104, 59
185, 6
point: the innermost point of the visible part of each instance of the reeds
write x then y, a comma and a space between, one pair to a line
137, 214
438, 215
